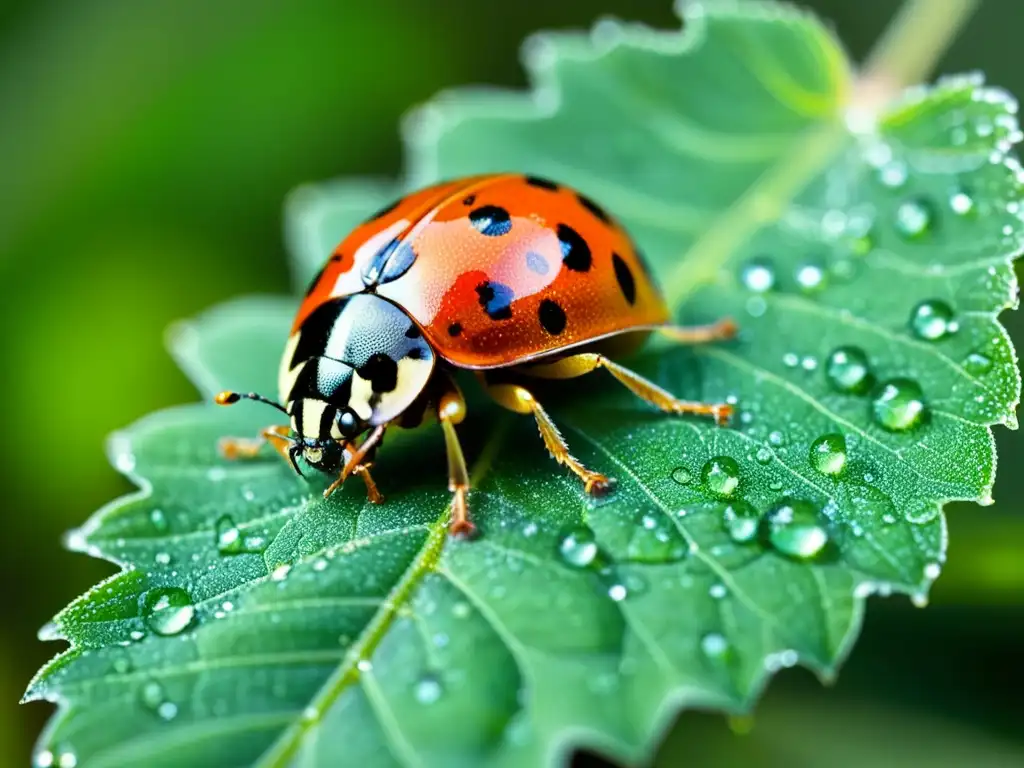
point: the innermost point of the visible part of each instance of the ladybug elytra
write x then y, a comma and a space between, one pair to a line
491, 272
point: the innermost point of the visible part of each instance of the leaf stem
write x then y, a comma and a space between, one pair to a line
909, 48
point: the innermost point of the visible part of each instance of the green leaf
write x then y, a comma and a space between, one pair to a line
256, 623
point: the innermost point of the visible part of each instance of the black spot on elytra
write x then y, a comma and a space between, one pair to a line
384, 211
491, 220
537, 181
335, 257
496, 299
455, 329
551, 316
625, 278
416, 353
381, 371
537, 263
575, 251
413, 332
594, 208
469, 199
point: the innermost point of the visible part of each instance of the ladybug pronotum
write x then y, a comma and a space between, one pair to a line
493, 272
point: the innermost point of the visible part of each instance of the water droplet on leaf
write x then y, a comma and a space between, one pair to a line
848, 370
810, 277
721, 475
168, 610
932, 320
977, 364
578, 547
828, 454
741, 520
681, 475
758, 275
795, 528
961, 203
899, 405
893, 174
914, 219
428, 689
656, 540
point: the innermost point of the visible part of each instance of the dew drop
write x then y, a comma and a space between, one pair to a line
795, 528
162, 558
848, 370
721, 475
682, 475
67, 759
714, 645
776, 437
578, 547
758, 275
893, 174
932, 320
159, 520
717, 591
763, 455
977, 364
152, 695
168, 610
741, 521
229, 538
961, 203
899, 405
914, 219
790, 360
618, 592
364, 665
43, 759
280, 572
810, 277
167, 711
828, 454
428, 689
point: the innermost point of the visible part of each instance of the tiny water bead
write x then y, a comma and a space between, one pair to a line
810, 277
758, 275
168, 610
915, 218
428, 689
741, 521
714, 645
848, 370
229, 538
795, 528
961, 203
828, 454
578, 547
893, 174
899, 405
977, 364
682, 475
932, 320
721, 475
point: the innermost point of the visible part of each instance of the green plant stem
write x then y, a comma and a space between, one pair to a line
908, 49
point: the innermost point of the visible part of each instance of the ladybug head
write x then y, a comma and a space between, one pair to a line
321, 431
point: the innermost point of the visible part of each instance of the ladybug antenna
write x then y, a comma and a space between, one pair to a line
230, 398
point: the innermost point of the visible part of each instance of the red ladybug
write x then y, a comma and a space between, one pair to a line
503, 271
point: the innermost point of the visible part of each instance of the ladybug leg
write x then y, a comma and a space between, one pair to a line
521, 400
585, 362
356, 463
722, 330
451, 410
249, 447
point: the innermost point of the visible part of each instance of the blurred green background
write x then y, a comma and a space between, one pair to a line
145, 150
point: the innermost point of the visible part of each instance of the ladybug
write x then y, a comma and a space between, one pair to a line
513, 277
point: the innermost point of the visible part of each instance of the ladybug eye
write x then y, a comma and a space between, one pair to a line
348, 423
